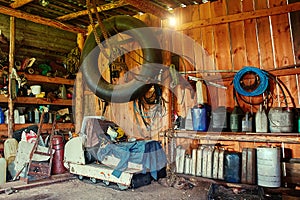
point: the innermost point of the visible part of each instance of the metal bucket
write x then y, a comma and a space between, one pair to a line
58, 157
268, 167
281, 120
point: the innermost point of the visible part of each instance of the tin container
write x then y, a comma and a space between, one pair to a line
281, 120
232, 166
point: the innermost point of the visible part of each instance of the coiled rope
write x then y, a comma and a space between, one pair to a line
260, 89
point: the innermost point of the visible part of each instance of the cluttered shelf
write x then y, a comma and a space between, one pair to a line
33, 100
292, 138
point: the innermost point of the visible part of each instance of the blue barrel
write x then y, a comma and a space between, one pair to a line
200, 118
232, 167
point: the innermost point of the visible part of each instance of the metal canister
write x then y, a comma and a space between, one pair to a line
58, 157
236, 119
281, 119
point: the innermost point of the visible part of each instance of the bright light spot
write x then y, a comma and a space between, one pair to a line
172, 21
182, 5
140, 13
170, 9
204, 1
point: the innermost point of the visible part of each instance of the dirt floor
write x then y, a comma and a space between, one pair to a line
78, 189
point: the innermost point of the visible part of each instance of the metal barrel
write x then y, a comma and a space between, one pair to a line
58, 157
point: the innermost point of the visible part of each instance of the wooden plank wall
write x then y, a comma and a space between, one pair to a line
266, 42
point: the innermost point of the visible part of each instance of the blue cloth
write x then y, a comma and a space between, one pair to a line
148, 153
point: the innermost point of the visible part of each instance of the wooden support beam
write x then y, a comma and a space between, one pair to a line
148, 7
40, 20
101, 8
12, 39
241, 16
19, 3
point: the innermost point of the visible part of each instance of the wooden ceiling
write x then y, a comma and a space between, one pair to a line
74, 14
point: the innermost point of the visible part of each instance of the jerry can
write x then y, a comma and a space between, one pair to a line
221, 164
232, 166
194, 162
180, 159
204, 161
187, 166
199, 161
3, 168
248, 175
207, 165
215, 163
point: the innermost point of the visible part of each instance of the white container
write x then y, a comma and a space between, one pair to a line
188, 163
35, 89
194, 162
199, 161
180, 159
268, 167
3, 167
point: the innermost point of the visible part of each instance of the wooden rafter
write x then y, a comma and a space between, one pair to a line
19, 3
40, 20
149, 7
101, 8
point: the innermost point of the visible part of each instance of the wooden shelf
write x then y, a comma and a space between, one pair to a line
3, 99
291, 138
46, 79
33, 100
46, 126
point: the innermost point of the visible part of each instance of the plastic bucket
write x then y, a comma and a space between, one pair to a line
200, 119
58, 157
35, 89
268, 167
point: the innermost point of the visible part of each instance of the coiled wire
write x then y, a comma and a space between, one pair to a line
262, 87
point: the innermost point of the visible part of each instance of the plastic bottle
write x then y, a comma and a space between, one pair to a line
261, 120
36, 116
16, 116
2, 118
236, 119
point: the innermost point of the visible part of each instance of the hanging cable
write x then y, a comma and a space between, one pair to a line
261, 83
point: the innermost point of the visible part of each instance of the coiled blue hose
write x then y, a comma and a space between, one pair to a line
264, 81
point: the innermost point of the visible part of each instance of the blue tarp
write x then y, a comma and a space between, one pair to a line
148, 153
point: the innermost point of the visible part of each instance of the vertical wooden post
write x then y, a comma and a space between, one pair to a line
11, 65
79, 90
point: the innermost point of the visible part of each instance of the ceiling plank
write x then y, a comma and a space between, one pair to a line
40, 20
149, 7
101, 8
19, 3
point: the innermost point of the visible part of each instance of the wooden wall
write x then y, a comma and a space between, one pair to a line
266, 42
231, 41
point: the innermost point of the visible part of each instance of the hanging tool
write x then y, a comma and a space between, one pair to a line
41, 169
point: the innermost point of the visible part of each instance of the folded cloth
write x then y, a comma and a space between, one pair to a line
148, 153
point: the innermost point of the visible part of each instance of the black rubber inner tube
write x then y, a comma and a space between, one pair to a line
134, 88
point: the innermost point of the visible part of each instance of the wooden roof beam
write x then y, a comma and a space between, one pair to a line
148, 7
40, 20
19, 3
101, 8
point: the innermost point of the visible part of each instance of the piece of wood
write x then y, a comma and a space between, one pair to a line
46, 79
251, 36
101, 8
40, 20
149, 7
222, 47
242, 16
19, 3
237, 36
43, 101
12, 37
79, 101
291, 138
283, 51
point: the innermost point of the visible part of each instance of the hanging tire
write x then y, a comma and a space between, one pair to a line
134, 88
